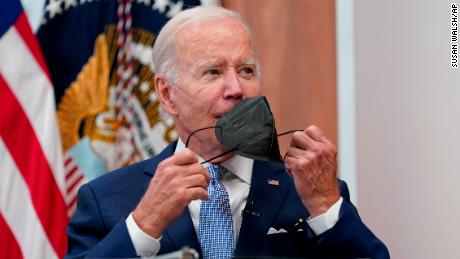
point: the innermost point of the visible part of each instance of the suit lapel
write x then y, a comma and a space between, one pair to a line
152, 164
181, 233
264, 202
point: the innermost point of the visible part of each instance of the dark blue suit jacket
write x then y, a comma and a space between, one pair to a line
98, 228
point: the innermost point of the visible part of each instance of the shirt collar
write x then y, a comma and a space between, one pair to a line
238, 165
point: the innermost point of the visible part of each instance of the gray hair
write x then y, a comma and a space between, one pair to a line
164, 49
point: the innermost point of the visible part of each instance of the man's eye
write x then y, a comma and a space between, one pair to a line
213, 72
247, 71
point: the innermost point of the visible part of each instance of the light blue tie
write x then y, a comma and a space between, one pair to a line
216, 225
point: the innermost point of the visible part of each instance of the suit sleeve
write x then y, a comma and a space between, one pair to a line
88, 236
350, 237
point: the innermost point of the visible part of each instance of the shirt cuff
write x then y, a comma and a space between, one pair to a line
327, 220
144, 244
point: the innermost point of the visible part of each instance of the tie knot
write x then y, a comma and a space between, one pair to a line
217, 171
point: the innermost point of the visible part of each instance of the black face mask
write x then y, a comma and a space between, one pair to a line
248, 130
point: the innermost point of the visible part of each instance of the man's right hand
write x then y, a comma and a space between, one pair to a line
177, 181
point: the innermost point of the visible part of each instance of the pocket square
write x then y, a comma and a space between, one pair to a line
272, 231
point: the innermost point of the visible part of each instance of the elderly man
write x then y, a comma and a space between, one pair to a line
236, 206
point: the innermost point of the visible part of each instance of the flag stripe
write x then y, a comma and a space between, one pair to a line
74, 184
72, 203
9, 247
77, 180
34, 168
71, 173
71, 210
67, 161
74, 178
18, 210
23, 28
34, 92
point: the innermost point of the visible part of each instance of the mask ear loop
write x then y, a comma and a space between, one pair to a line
212, 158
231, 150
288, 132
285, 133
205, 128
195, 131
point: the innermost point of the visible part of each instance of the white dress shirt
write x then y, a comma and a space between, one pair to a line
237, 183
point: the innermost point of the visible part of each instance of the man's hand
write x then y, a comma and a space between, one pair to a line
177, 181
311, 161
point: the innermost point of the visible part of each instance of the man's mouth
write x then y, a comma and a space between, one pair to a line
219, 115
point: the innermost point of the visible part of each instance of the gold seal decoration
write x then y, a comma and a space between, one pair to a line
145, 74
118, 135
87, 96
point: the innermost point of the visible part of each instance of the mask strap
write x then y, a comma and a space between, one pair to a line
212, 158
205, 128
285, 133
226, 152
231, 150
195, 131
288, 132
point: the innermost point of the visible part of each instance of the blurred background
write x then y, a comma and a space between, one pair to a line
376, 76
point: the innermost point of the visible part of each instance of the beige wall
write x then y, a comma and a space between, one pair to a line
408, 126
296, 44
406, 107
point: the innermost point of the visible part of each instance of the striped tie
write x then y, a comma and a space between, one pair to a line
216, 227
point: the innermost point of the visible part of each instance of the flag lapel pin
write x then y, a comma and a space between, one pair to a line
273, 182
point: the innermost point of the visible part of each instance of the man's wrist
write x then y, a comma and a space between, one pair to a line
144, 244
327, 220
149, 229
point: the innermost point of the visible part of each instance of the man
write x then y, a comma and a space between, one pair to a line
205, 66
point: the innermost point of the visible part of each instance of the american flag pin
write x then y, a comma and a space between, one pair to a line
274, 182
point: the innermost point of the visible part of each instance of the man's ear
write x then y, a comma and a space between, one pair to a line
163, 89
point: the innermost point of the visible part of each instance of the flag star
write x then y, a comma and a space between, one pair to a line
69, 3
146, 2
175, 9
160, 5
54, 7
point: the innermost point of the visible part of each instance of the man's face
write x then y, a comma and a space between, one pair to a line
216, 68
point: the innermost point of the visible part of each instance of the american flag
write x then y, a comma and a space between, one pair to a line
40, 170
33, 213
99, 58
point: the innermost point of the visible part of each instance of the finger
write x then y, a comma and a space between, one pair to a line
184, 157
308, 161
196, 180
294, 152
192, 169
197, 193
198, 168
297, 167
207, 175
288, 164
316, 133
302, 141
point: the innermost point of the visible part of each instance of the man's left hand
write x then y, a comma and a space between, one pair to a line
312, 161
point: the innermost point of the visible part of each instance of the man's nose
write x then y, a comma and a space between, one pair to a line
233, 87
